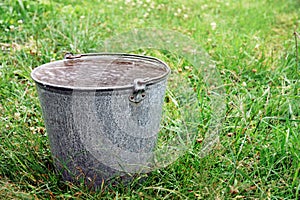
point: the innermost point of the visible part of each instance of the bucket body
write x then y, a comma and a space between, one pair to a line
98, 133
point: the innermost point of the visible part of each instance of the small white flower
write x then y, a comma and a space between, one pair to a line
213, 25
146, 15
152, 5
160, 6
203, 7
187, 68
17, 116
12, 27
244, 84
185, 16
20, 21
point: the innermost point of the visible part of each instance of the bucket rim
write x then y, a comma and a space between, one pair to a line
92, 88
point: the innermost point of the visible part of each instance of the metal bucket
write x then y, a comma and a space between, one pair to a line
102, 113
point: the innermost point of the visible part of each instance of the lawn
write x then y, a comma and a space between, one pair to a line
255, 51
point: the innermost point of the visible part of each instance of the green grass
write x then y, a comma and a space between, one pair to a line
258, 155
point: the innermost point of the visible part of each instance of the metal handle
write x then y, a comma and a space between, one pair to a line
70, 55
139, 91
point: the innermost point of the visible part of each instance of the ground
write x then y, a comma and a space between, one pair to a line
255, 52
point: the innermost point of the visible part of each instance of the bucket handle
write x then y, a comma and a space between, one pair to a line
139, 88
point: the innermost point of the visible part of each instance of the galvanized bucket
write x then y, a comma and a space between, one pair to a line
102, 113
